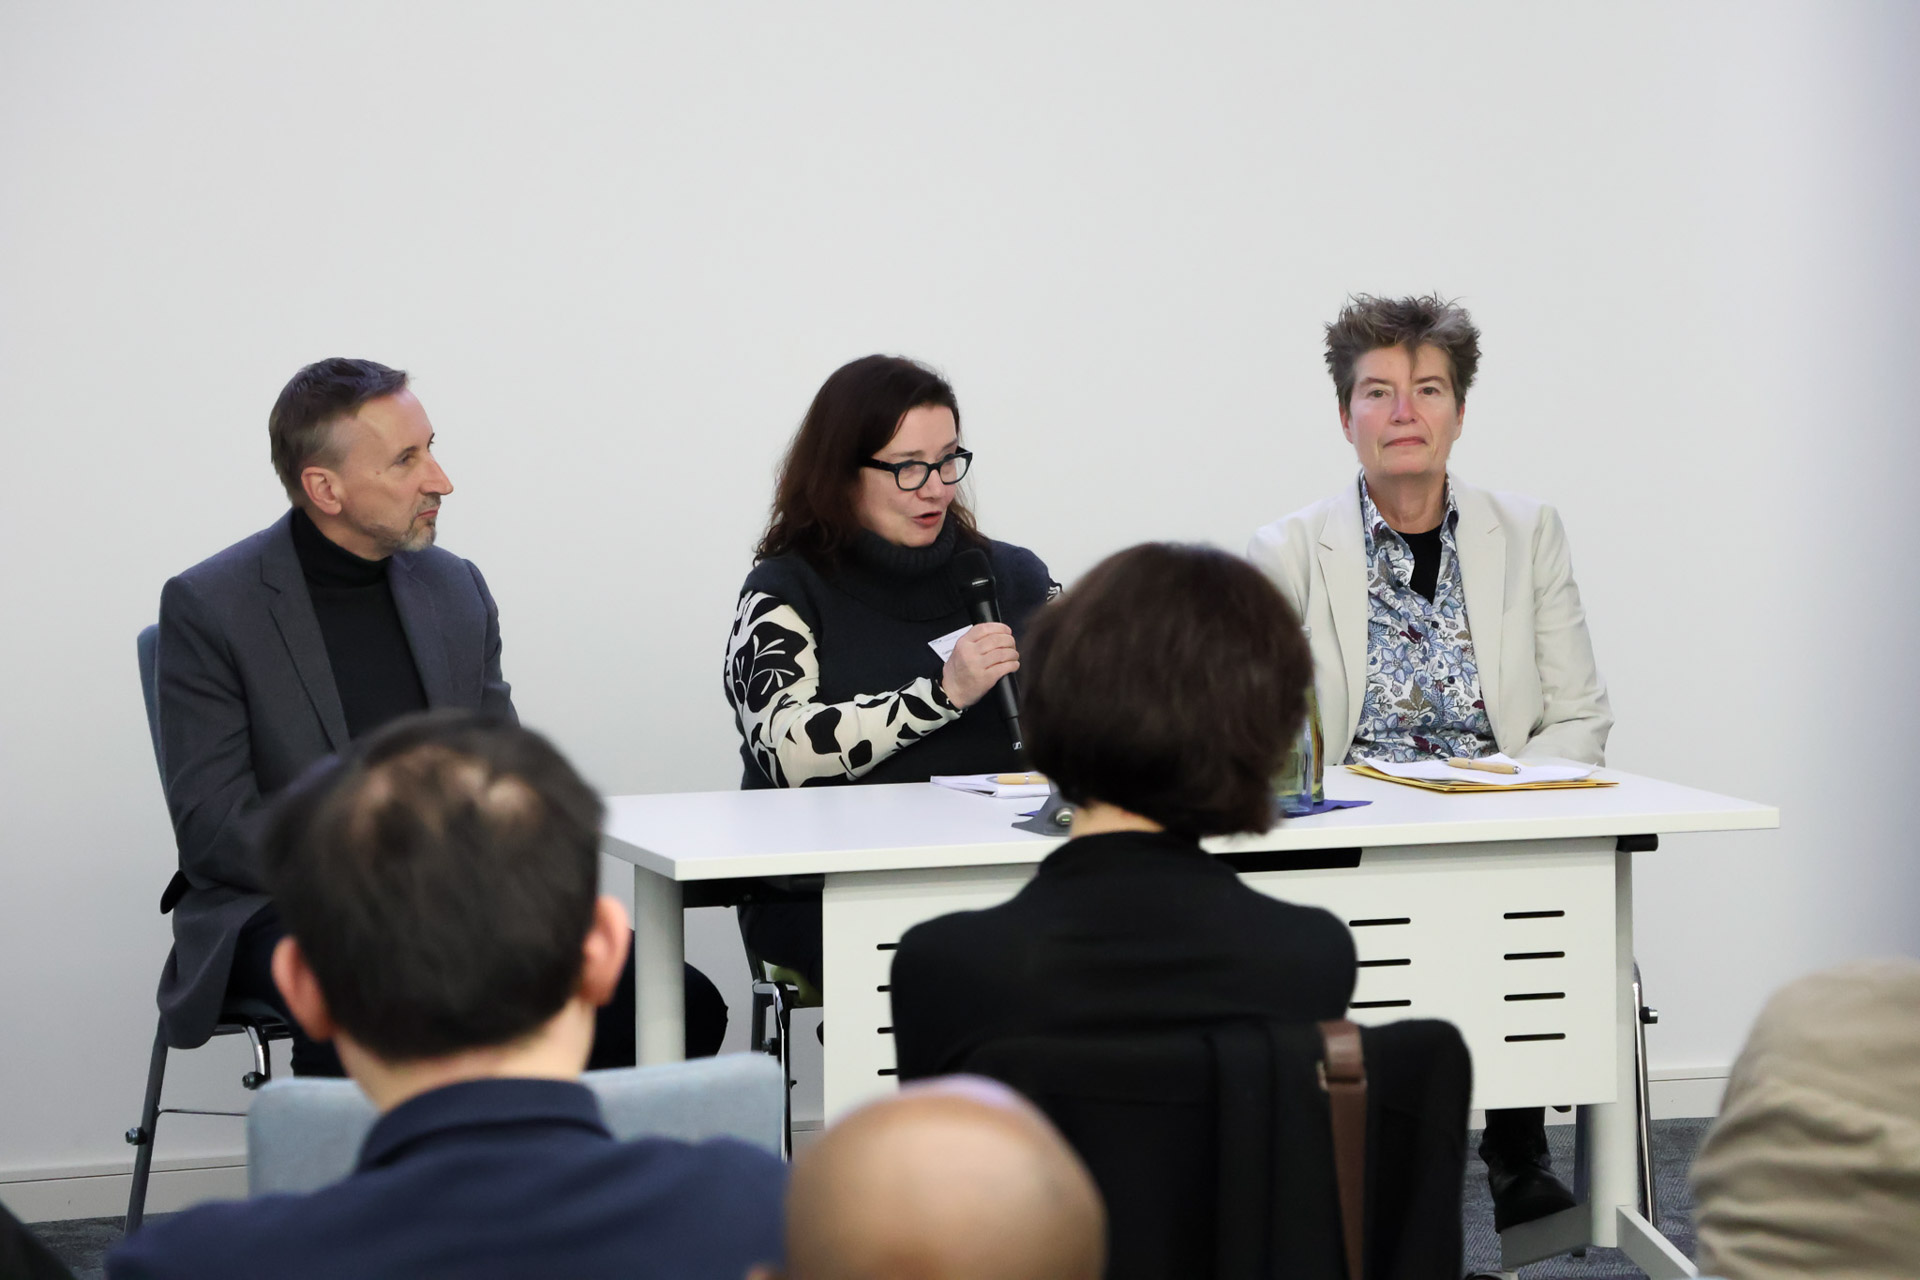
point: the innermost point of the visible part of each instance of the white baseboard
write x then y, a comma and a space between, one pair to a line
1676, 1093
100, 1190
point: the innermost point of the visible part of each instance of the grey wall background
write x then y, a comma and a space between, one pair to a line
620, 247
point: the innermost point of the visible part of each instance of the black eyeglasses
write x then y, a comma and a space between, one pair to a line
914, 475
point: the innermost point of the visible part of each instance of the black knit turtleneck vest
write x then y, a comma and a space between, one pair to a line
872, 615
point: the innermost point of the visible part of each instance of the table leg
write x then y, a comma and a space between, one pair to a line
1615, 1196
659, 964
1613, 1173
1612, 1134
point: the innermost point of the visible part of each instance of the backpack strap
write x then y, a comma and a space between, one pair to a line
1343, 1074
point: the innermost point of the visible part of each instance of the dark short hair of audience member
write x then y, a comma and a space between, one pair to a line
1368, 323
852, 417
1170, 681
439, 880
300, 428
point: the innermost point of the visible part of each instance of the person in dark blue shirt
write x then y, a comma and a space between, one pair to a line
439, 887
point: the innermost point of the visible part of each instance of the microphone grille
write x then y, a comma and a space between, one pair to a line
971, 567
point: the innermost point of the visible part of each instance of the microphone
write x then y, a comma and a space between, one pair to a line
974, 576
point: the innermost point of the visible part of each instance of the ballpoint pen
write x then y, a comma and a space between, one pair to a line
1484, 766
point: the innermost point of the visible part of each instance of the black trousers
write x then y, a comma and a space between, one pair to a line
22, 1254
1515, 1136
785, 934
613, 1036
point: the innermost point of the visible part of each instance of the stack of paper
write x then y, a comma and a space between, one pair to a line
1438, 775
1001, 786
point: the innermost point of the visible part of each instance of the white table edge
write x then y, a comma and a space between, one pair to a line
1296, 835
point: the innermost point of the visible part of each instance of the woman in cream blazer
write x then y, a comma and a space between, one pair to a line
1401, 369
1543, 692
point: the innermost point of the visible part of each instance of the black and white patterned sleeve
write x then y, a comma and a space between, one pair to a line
773, 683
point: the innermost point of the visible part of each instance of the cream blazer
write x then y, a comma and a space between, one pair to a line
1544, 696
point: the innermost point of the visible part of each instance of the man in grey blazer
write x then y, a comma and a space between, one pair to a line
249, 672
1444, 618
275, 653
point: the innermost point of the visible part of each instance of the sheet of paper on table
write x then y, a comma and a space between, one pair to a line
1438, 775
1001, 786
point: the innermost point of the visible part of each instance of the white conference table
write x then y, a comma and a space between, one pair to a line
1509, 915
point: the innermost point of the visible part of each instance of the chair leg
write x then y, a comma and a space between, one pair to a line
772, 997
757, 1033
262, 1060
141, 1135
783, 1016
1649, 1194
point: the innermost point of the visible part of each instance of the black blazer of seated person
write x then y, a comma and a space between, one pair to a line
1131, 926
831, 668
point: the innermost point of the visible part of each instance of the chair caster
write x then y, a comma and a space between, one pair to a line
252, 1080
138, 1137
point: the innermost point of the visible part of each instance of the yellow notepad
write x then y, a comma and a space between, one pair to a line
1494, 784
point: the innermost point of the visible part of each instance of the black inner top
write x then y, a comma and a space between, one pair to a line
372, 662
1426, 561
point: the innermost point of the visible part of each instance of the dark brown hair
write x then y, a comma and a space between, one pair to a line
300, 428
853, 415
1368, 323
440, 878
1171, 681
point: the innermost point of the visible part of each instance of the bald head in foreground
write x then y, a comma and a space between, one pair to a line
954, 1179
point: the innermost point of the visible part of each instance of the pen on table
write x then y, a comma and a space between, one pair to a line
1484, 766
1020, 779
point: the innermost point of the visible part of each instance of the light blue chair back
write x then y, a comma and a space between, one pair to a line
305, 1134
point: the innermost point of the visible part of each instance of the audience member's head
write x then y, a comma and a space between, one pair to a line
1813, 1167
954, 1179
439, 888
1170, 682
354, 450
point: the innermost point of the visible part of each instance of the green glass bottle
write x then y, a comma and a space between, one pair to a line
1302, 783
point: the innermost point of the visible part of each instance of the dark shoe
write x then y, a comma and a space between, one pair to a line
1524, 1190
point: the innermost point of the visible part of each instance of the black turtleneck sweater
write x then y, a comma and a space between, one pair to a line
367, 647
872, 613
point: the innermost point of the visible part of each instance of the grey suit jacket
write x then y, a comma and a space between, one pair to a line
248, 703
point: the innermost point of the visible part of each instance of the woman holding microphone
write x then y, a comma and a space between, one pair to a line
852, 657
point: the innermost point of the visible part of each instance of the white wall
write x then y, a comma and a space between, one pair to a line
620, 249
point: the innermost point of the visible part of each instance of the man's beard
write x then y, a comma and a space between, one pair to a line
417, 536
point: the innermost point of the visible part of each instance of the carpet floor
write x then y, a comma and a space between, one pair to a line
82, 1243
1675, 1143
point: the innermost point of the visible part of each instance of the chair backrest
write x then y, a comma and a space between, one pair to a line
304, 1134
149, 646
1213, 1147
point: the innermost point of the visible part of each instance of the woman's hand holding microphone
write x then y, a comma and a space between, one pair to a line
979, 659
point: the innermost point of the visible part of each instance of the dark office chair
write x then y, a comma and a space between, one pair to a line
259, 1021
1214, 1150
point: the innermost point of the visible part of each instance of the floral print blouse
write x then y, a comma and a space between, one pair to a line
773, 681
1423, 686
